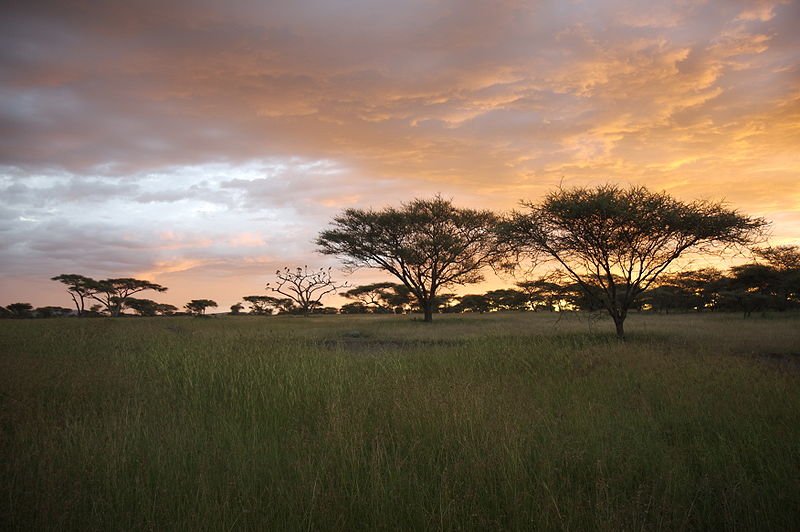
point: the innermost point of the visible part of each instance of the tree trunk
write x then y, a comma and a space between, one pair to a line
618, 322
427, 308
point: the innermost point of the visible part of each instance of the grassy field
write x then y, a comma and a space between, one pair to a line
497, 421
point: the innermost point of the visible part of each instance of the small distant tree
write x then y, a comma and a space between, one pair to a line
694, 290
95, 311
114, 293
427, 244
620, 240
781, 258
52, 312
785, 262
379, 296
20, 310
80, 288
356, 307
473, 303
165, 309
142, 307
305, 287
771, 283
544, 292
236, 309
197, 307
268, 305
444, 303
507, 299
148, 307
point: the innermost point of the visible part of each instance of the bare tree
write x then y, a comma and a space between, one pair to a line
305, 287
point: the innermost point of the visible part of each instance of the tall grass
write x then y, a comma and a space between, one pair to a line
476, 422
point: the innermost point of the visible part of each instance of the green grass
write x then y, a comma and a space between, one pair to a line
512, 421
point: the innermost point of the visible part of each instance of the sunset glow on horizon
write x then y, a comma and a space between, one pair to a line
203, 145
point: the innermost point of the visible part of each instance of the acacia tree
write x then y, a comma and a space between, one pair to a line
543, 292
384, 296
473, 303
620, 240
305, 287
507, 299
265, 305
51, 312
20, 310
113, 293
148, 307
686, 290
427, 244
198, 306
785, 262
79, 288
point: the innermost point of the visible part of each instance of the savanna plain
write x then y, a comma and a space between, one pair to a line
517, 421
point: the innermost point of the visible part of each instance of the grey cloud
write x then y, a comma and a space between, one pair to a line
74, 189
178, 86
48, 248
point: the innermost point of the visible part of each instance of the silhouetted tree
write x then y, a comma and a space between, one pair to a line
198, 307
507, 299
444, 303
667, 297
142, 307
399, 298
356, 307
148, 307
621, 240
427, 244
236, 309
473, 303
267, 305
785, 262
79, 288
781, 258
379, 297
305, 287
20, 310
165, 309
113, 293
695, 290
52, 312
544, 292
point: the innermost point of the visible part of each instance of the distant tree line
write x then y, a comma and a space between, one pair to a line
613, 249
106, 297
773, 283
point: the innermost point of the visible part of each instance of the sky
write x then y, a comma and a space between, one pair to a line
202, 145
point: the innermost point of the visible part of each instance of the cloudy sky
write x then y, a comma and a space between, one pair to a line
203, 144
